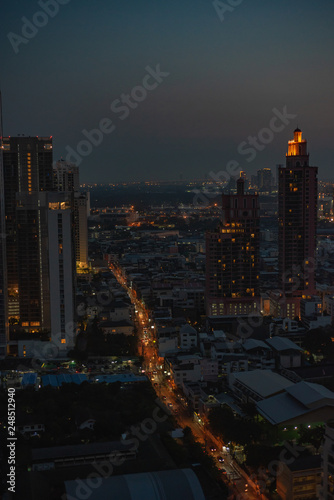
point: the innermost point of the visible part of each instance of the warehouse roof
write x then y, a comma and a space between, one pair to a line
163, 485
298, 400
78, 450
263, 382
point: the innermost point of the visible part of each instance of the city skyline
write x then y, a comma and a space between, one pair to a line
167, 250
225, 76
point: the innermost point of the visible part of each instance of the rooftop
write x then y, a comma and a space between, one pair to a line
59, 452
263, 382
282, 344
162, 485
306, 463
298, 400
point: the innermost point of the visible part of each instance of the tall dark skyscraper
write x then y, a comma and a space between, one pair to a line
232, 257
40, 250
297, 202
3, 266
27, 169
264, 180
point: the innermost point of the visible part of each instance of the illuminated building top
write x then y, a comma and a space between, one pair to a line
297, 148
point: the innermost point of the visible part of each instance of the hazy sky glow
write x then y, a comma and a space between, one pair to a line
224, 80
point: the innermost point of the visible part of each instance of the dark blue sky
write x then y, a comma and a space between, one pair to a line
224, 80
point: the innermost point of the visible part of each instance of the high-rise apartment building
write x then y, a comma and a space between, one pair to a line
264, 180
232, 257
46, 265
297, 207
40, 250
32, 262
3, 265
61, 267
66, 177
27, 169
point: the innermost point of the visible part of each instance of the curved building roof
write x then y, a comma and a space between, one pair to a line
163, 485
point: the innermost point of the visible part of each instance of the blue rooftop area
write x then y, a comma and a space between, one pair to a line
29, 379
58, 380
122, 378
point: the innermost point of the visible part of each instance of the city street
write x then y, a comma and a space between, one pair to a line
147, 348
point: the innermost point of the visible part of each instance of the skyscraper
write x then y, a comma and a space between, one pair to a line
27, 169
3, 266
31, 244
264, 180
232, 257
66, 177
61, 268
39, 223
297, 206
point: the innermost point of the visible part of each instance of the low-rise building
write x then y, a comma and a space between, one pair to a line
184, 368
299, 403
117, 327
188, 337
81, 454
260, 355
193, 393
209, 370
287, 353
257, 385
327, 488
299, 479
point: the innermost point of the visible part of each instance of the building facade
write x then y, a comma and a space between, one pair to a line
27, 169
232, 257
264, 180
61, 269
3, 264
66, 177
40, 249
327, 489
299, 479
46, 264
297, 226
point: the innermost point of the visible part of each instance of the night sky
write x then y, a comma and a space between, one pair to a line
225, 78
